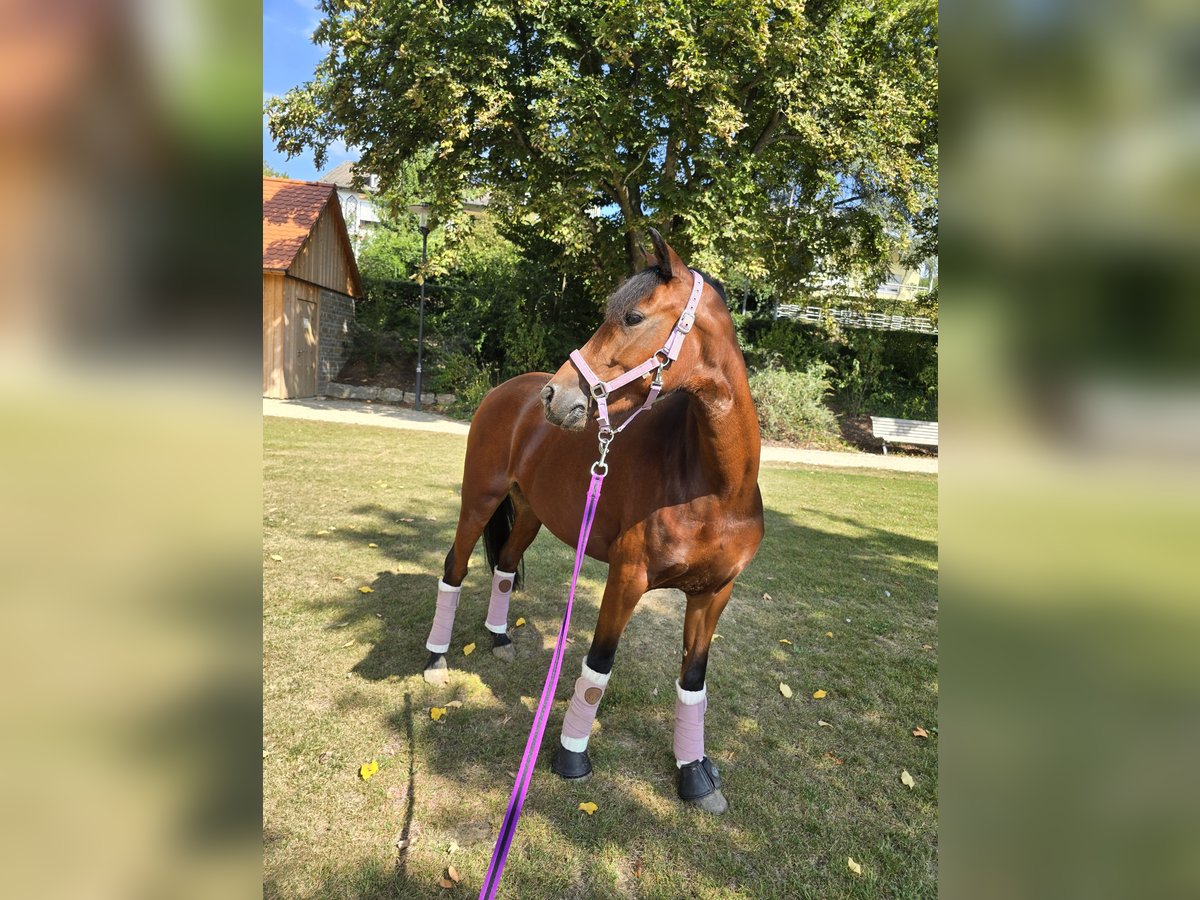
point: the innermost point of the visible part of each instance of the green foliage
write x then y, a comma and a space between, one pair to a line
462, 375
767, 135
791, 405
884, 373
271, 172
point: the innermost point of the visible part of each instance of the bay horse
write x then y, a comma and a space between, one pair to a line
681, 509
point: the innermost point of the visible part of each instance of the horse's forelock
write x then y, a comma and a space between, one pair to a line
632, 291
636, 288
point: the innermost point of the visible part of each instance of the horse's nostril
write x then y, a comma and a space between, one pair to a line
547, 393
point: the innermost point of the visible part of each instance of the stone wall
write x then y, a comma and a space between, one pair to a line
385, 395
337, 316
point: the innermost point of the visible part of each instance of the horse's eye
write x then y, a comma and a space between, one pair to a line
633, 317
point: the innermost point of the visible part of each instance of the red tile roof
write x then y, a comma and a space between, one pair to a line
290, 210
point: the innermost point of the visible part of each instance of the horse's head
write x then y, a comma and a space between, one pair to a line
641, 315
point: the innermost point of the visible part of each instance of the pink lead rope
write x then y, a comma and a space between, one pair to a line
491, 881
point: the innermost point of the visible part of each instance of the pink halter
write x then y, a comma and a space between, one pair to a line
660, 360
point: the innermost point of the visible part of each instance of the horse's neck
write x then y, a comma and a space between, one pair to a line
725, 426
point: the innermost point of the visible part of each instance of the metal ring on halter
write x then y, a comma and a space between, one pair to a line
599, 468
666, 357
599, 390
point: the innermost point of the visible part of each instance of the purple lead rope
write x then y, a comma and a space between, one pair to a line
491, 881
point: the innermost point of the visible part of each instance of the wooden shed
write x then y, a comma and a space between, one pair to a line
310, 283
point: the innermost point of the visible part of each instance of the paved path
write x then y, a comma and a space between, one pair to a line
356, 412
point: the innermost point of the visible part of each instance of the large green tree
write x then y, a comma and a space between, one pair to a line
765, 138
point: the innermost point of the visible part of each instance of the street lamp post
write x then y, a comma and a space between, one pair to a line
473, 208
422, 212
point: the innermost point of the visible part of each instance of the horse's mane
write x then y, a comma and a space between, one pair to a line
636, 288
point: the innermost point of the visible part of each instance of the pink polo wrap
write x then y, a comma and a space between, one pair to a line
443, 619
689, 724
581, 712
497, 614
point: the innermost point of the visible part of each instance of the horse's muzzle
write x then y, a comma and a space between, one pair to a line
565, 406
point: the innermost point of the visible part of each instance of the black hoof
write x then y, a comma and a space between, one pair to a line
700, 785
571, 765
436, 670
502, 647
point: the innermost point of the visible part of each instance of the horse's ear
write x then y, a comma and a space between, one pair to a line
667, 260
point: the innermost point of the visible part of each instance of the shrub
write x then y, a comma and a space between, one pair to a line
791, 405
469, 381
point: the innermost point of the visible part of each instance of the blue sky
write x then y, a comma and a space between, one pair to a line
289, 58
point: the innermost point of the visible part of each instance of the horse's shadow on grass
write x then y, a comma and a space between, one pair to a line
635, 773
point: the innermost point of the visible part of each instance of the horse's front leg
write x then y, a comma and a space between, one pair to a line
625, 586
699, 782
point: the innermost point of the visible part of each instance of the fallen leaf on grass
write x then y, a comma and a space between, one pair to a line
520, 621
276, 557
927, 646
589, 807
718, 637
445, 883
785, 690
766, 596
372, 545
408, 520
823, 724
366, 590
819, 695
854, 867
349, 643
366, 770
323, 531
454, 703
437, 712
920, 732
908, 780
829, 634
469, 649
452, 874
833, 759
402, 844
785, 641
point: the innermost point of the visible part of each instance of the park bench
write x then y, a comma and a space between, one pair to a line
904, 431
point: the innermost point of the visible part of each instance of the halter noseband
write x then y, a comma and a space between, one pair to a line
662, 358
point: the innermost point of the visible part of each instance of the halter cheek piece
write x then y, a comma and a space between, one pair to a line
661, 359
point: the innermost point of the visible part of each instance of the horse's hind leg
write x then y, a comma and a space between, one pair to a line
508, 556
478, 507
699, 782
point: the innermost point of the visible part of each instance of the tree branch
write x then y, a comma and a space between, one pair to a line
764, 139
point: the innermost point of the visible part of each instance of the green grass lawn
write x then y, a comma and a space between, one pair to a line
851, 553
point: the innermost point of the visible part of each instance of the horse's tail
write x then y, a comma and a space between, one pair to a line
496, 533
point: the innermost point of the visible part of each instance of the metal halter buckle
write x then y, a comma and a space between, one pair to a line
600, 390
